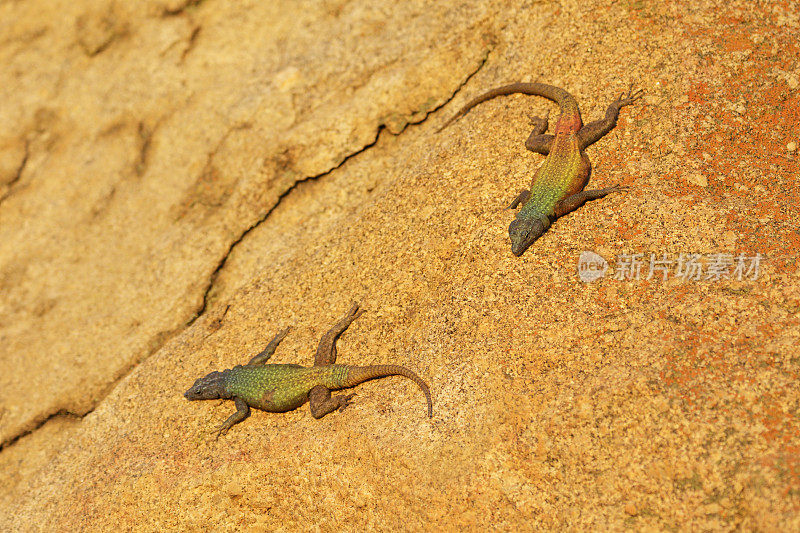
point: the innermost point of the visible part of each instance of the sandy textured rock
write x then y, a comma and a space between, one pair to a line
142, 166
179, 180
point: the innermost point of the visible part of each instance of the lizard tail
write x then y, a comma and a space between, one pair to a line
360, 374
558, 95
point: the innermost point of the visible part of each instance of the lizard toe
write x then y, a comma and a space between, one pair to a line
344, 401
217, 432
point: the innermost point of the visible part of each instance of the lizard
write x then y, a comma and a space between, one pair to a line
557, 187
279, 388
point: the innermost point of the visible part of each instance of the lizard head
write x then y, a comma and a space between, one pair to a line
209, 387
524, 231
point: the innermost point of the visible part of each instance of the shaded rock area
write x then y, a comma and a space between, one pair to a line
179, 180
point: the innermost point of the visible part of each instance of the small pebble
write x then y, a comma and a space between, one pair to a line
698, 179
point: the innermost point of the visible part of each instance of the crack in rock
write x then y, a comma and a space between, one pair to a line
160, 339
17, 174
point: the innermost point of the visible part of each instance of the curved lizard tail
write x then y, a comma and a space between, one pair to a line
360, 374
567, 102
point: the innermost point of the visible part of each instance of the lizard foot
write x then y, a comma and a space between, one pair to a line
619, 188
218, 431
539, 123
344, 401
282, 334
630, 97
354, 311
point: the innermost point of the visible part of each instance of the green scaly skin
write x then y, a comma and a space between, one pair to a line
557, 186
279, 388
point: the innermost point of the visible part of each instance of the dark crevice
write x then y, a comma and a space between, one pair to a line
215, 274
264, 217
190, 44
160, 339
145, 135
38, 423
466, 80
17, 173
155, 344
181, 9
145, 139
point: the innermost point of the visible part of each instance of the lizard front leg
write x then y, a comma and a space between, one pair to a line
321, 402
537, 142
326, 350
521, 198
242, 412
269, 350
571, 203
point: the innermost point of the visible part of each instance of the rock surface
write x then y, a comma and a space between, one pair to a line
181, 179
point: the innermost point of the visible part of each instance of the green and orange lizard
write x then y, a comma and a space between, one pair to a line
557, 187
283, 387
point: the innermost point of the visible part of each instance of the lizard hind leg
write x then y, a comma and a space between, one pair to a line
592, 132
320, 400
537, 141
326, 350
322, 403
